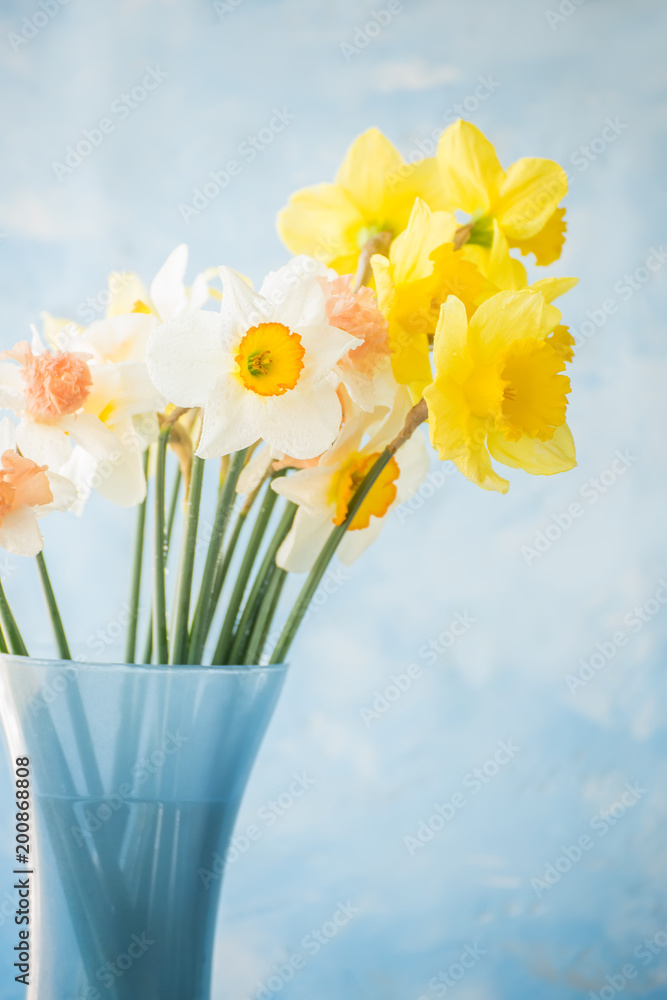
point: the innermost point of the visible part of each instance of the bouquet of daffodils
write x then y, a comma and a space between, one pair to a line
404, 304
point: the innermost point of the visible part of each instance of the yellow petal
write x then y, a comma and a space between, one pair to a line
410, 252
540, 458
476, 466
562, 342
321, 221
451, 333
370, 159
553, 288
454, 275
528, 196
510, 316
459, 436
471, 173
548, 242
424, 181
410, 359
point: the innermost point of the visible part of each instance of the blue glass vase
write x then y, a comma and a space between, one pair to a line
136, 777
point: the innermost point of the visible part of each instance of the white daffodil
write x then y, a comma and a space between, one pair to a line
63, 401
133, 312
261, 368
323, 493
168, 296
27, 492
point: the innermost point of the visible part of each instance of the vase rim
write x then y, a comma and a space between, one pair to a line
40, 661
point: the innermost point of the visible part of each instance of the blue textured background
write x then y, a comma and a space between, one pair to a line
557, 79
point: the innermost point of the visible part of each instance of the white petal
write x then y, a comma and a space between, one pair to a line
298, 299
414, 462
134, 394
254, 472
325, 345
242, 308
230, 420
126, 289
199, 292
64, 494
20, 534
168, 289
147, 427
93, 436
304, 542
185, 358
307, 487
302, 425
118, 338
46, 444
80, 470
7, 435
122, 481
355, 543
12, 387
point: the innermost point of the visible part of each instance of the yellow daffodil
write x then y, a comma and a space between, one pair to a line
523, 201
422, 269
499, 389
373, 193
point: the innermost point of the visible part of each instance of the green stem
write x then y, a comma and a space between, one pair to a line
3, 643
326, 555
228, 554
417, 415
161, 639
188, 551
173, 503
10, 628
265, 616
135, 591
148, 644
223, 647
204, 611
56, 621
247, 623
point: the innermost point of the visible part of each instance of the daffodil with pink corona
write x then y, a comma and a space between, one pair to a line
64, 402
28, 492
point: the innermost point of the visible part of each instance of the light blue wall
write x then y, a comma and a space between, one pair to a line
557, 80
